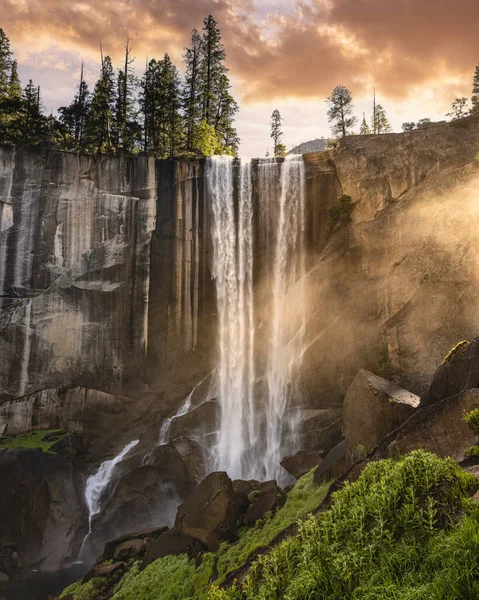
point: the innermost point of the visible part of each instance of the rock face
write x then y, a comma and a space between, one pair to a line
212, 512
460, 371
302, 462
373, 407
43, 510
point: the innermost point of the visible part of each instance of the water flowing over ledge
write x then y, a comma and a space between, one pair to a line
254, 432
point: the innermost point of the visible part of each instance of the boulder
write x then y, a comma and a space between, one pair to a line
373, 407
171, 544
334, 464
459, 371
130, 548
9, 561
111, 547
42, 508
267, 497
212, 512
302, 462
320, 428
141, 496
104, 570
439, 428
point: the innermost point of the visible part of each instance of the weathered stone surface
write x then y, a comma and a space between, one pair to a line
302, 462
171, 544
141, 496
459, 372
42, 507
212, 512
9, 560
264, 498
111, 547
105, 570
439, 428
373, 407
320, 429
130, 548
334, 464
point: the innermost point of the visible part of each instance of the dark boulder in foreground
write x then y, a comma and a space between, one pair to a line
171, 543
42, 508
459, 372
302, 462
373, 407
212, 512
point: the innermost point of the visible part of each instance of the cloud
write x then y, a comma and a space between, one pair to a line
276, 50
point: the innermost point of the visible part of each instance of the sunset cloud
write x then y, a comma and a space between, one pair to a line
277, 51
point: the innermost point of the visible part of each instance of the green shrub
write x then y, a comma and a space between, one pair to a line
32, 440
472, 452
472, 419
340, 214
404, 530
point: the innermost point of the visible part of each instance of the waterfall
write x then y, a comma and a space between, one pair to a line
97, 482
254, 431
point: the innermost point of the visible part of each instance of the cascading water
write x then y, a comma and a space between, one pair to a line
97, 482
254, 431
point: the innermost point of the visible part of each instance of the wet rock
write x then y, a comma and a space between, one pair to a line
320, 428
334, 464
302, 462
126, 550
42, 506
459, 371
9, 561
212, 512
265, 498
172, 543
4, 578
373, 407
111, 547
105, 570
439, 428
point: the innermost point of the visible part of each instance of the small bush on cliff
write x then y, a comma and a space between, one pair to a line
472, 419
404, 530
453, 351
340, 214
40, 439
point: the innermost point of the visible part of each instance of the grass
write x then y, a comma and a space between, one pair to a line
472, 419
32, 440
405, 530
340, 214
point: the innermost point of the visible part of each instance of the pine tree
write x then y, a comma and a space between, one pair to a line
409, 126
33, 125
459, 109
74, 117
226, 110
340, 112
475, 92
381, 123
279, 148
5, 64
126, 128
98, 129
365, 129
11, 109
191, 96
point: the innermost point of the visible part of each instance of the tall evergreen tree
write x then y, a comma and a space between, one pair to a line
340, 112
74, 117
127, 130
98, 129
279, 148
191, 96
365, 129
5, 63
475, 92
381, 123
33, 124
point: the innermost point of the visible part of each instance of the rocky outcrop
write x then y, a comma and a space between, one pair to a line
302, 462
373, 407
43, 509
211, 514
459, 371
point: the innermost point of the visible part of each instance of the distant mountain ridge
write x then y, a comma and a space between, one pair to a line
313, 146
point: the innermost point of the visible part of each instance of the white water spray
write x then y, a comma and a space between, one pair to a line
253, 433
97, 482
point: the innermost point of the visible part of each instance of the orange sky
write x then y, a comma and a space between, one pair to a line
285, 54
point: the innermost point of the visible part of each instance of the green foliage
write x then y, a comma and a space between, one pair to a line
404, 530
458, 109
472, 452
92, 590
472, 419
340, 111
380, 123
365, 129
453, 351
362, 451
383, 368
340, 214
32, 440
169, 578
206, 141
409, 126
279, 149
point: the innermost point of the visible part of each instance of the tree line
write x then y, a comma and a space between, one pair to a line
163, 114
